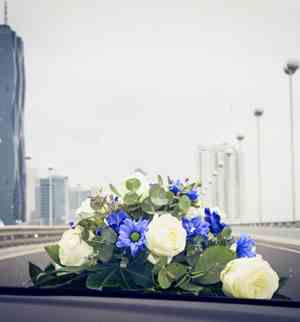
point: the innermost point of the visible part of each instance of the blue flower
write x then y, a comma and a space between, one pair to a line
72, 225
245, 246
195, 227
176, 187
98, 231
193, 195
132, 235
116, 219
214, 220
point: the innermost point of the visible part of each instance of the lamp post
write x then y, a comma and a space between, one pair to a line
227, 176
258, 113
50, 169
239, 176
290, 69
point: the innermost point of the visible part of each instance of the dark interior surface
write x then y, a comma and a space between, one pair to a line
88, 309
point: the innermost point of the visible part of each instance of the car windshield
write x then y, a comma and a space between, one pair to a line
151, 147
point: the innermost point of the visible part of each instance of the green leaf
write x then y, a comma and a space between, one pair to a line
133, 184
163, 279
188, 286
34, 272
184, 203
226, 232
141, 272
176, 271
114, 190
131, 198
105, 253
108, 235
53, 252
106, 277
148, 207
158, 196
210, 264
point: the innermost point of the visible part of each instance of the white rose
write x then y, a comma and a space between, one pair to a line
165, 236
73, 251
251, 278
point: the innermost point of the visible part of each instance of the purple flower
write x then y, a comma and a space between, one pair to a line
132, 235
193, 195
245, 247
176, 186
214, 220
195, 227
116, 219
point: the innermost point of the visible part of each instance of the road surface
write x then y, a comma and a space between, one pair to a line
284, 259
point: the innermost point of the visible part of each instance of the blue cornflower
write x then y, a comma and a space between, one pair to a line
132, 235
72, 225
176, 186
214, 220
245, 246
116, 219
195, 227
193, 195
98, 231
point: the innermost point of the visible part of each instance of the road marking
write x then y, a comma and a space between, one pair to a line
291, 250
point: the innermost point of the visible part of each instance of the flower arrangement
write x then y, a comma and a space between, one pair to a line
155, 238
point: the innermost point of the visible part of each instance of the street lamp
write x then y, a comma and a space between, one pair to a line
240, 176
50, 169
258, 113
290, 69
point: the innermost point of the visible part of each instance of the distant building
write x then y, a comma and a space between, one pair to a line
76, 196
222, 177
57, 187
12, 160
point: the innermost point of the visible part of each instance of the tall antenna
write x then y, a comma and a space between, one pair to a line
5, 12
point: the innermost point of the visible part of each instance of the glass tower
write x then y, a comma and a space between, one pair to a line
12, 149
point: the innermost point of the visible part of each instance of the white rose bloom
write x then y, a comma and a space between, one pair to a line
73, 251
165, 236
251, 278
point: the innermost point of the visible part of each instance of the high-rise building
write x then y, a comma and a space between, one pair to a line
54, 200
12, 160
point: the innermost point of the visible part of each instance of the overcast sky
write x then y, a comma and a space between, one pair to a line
115, 85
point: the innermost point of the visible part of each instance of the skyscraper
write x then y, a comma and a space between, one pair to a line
12, 160
54, 200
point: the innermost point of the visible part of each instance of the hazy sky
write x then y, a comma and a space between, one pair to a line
115, 85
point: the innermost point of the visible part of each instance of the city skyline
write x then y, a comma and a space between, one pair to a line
144, 87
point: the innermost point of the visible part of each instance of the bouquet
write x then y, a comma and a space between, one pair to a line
155, 237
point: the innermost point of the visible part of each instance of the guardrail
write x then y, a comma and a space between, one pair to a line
11, 236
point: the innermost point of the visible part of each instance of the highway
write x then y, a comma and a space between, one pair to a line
285, 259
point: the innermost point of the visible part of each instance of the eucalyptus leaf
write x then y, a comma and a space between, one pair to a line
148, 207
184, 203
53, 252
133, 184
210, 264
163, 279
131, 198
